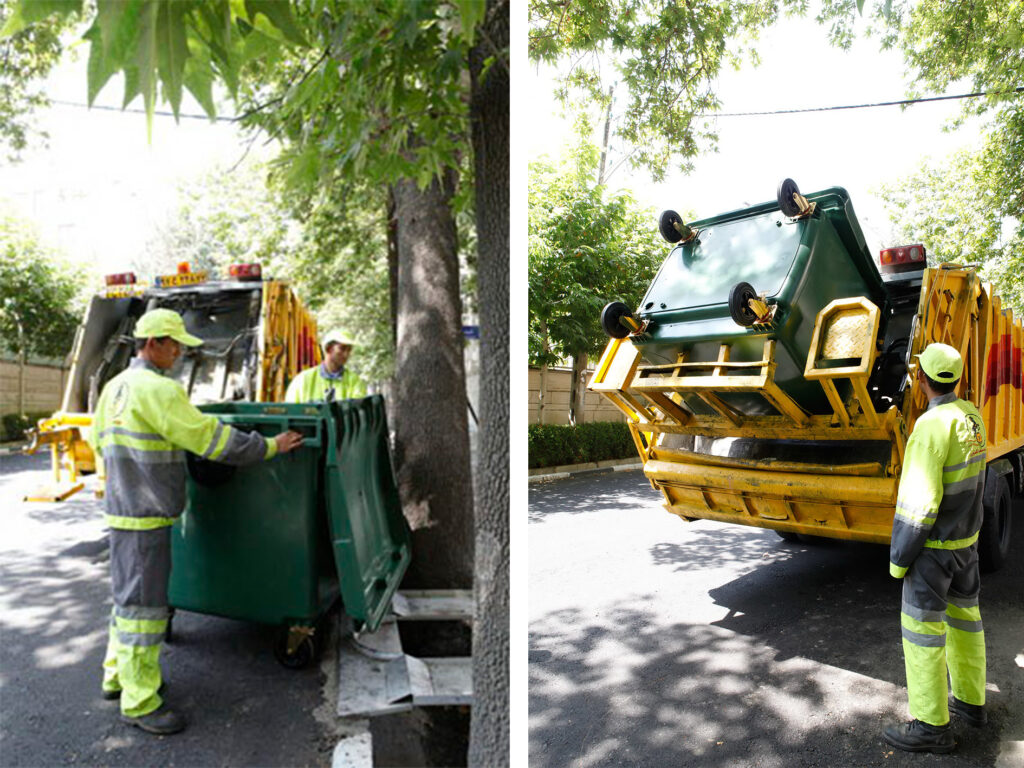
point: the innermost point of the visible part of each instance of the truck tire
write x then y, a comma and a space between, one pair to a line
994, 539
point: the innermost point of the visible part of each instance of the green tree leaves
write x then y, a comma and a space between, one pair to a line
27, 53
584, 251
39, 296
665, 56
952, 207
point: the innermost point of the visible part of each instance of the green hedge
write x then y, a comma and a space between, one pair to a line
552, 445
13, 425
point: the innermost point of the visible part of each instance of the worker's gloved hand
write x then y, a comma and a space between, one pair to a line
288, 441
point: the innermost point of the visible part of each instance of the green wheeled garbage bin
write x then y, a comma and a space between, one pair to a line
797, 264
279, 542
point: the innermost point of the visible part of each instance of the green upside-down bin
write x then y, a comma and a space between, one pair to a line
277, 542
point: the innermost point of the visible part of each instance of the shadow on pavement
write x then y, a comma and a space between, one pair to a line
806, 668
244, 708
627, 490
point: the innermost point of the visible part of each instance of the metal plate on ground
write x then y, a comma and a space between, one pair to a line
433, 604
441, 681
373, 675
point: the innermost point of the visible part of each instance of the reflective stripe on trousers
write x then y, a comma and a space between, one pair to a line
941, 627
140, 567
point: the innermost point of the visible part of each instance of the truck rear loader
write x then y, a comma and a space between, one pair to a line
768, 374
256, 336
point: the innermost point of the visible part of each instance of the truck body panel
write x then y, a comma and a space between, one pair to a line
800, 424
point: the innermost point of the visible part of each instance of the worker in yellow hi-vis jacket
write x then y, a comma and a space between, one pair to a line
143, 425
332, 374
934, 550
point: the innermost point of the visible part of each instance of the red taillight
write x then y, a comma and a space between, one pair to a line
245, 271
903, 258
124, 278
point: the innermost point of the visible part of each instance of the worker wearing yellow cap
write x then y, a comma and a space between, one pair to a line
143, 425
934, 550
332, 374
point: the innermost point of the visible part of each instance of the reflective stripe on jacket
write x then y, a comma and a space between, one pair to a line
311, 384
143, 425
940, 494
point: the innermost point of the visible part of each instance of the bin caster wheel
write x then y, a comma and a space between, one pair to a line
671, 226
784, 195
303, 649
740, 310
610, 317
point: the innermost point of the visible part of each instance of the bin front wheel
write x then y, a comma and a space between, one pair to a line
294, 647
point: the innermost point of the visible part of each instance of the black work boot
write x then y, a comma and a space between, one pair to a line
161, 721
972, 714
916, 736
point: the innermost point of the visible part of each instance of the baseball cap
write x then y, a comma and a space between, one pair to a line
165, 322
941, 363
336, 336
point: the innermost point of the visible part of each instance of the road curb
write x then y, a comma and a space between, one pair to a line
575, 470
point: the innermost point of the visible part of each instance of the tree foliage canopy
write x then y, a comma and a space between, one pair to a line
585, 249
978, 46
27, 57
39, 295
667, 56
950, 206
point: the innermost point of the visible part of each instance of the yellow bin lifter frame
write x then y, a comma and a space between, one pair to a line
849, 501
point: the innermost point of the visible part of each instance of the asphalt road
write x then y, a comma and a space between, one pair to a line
655, 642
244, 709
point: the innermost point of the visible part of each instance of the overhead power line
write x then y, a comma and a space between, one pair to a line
901, 102
159, 112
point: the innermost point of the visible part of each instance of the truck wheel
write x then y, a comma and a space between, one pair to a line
994, 539
741, 312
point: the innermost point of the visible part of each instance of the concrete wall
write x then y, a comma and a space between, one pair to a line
44, 387
556, 403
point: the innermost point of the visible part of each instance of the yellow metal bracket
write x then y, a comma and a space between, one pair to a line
844, 346
61, 432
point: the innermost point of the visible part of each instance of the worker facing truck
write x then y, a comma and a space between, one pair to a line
331, 375
143, 425
934, 550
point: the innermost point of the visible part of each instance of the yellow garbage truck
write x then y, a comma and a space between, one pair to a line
767, 374
256, 336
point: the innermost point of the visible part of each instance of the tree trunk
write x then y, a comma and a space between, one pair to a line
578, 391
429, 404
542, 394
489, 111
392, 230
21, 369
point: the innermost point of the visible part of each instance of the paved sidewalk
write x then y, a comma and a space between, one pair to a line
546, 474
